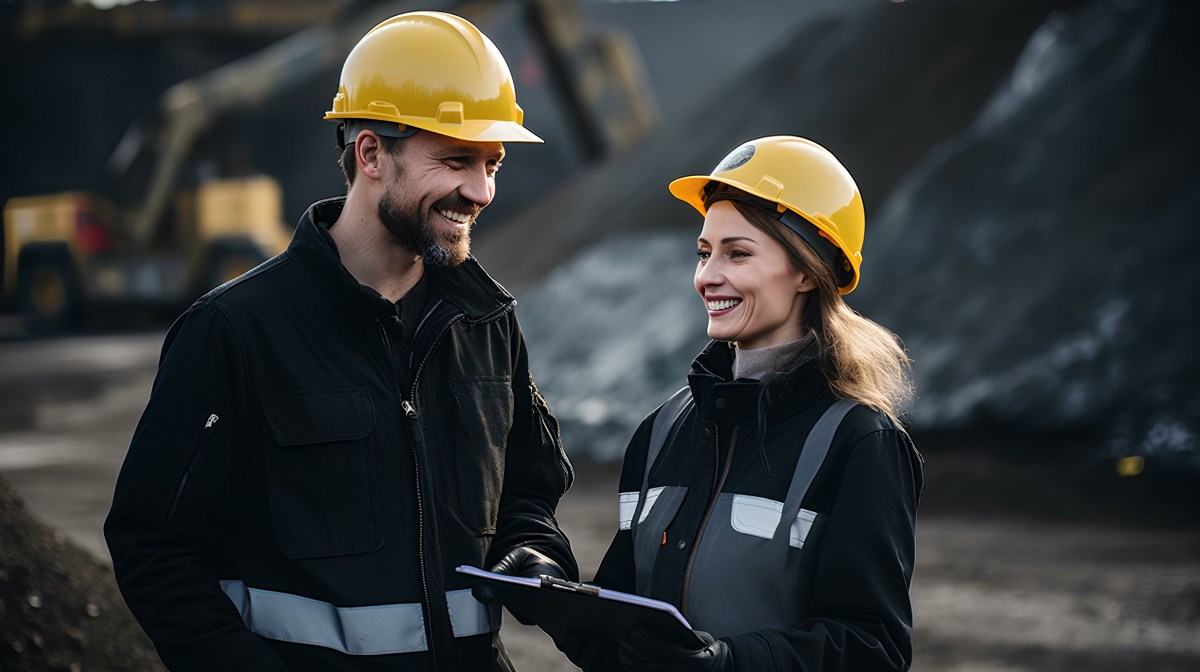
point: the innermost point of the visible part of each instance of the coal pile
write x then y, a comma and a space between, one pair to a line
1039, 263
1028, 180
59, 605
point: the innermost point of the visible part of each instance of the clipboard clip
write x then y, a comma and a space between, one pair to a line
569, 586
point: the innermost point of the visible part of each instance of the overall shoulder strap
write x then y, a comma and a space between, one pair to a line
665, 424
812, 456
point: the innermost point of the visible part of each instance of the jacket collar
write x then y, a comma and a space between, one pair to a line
467, 286
752, 402
722, 399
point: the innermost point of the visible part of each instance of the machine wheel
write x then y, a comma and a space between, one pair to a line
49, 293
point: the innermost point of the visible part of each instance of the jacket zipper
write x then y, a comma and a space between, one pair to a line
719, 476
542, 409
410, 412
201, 445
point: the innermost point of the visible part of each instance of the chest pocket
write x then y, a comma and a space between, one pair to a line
321, 473
759, 517
485, 417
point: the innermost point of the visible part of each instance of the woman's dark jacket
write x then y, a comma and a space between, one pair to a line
292, 444
852, 608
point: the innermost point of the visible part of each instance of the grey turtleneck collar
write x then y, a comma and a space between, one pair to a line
757, 363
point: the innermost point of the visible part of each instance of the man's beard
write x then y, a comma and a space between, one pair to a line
408, 227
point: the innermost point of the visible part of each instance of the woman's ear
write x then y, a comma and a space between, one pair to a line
804, 283
367, 153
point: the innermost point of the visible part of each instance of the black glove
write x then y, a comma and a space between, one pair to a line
520, 561
649, 651
529, 563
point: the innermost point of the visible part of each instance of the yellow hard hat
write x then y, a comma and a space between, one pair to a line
793, 175
433, 71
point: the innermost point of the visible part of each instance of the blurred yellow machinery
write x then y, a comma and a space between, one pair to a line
68, 249
63, 252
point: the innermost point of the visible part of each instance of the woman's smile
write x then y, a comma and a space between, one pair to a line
718, 306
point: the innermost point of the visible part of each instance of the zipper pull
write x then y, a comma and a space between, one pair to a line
212, 420
410, 411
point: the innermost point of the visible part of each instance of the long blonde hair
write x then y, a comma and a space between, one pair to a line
862, 361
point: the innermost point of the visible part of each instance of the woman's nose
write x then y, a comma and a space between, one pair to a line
709, 274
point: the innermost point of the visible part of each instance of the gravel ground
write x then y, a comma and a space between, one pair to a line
991, 593
1103, 584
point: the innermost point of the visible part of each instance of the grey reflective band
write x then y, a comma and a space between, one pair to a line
469, 616
359, 631
812, 456
665, 425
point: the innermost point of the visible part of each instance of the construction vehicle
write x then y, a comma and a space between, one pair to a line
65, 252
70, 249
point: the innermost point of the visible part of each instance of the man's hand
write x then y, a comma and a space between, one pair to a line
526, 562
648, 650
521, 561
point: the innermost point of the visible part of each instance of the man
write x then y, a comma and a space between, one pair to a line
331, 434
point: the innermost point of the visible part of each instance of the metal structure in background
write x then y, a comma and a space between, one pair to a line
65, 251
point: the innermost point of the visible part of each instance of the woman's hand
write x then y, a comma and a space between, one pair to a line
648, 650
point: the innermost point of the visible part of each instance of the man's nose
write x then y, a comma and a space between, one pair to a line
479, 187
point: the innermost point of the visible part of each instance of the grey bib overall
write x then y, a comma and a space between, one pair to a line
746, 574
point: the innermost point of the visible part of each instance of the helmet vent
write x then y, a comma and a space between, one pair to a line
769, 188
384, 108
450, 112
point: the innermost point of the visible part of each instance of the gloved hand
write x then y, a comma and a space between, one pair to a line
527, 562
649, 651
520, 561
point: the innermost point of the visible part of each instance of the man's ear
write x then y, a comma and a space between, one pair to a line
368, 154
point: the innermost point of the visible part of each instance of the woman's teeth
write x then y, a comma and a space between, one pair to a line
723, 305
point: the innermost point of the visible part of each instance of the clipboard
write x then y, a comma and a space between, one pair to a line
569, 608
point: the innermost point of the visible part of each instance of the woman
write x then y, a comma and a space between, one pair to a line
779, 508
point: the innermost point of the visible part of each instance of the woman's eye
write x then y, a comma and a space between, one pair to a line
703, 254
738, 254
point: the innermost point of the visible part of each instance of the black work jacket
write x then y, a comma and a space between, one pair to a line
288, 446
857, 562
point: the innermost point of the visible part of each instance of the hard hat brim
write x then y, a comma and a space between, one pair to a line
477, 131
690, 190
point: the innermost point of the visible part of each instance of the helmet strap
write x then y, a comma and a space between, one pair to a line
348, 130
